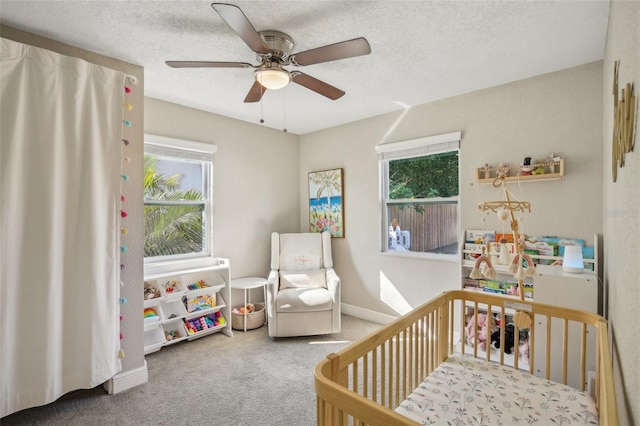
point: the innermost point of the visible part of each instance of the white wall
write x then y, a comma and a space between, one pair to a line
621, 206
255, 189
559, 112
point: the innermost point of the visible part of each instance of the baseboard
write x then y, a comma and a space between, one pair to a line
367, 314
127, 380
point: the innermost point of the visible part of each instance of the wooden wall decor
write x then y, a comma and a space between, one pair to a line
624, 120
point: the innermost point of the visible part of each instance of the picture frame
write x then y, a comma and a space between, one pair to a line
326, 202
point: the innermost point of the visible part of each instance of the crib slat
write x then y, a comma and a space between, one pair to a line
383, 375
430, 328
503, 318
426, 347
406, 361
565, 349
598, 383
374, 378
475, 327
354, 376
583, 356
488, 339
417, 353
423, 349
548, 353
443, 333
452, 326
424, 353
433, 339
321, 406
516, 345
396, 374
532, 343
365, 375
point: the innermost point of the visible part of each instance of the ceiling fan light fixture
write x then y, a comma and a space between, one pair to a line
272, 78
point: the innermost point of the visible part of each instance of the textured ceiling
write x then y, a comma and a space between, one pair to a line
421, 50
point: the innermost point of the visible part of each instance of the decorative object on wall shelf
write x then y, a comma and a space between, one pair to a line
551, 168
326, 202
624, 118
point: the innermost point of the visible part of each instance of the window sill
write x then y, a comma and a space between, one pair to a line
449, 258
178, 266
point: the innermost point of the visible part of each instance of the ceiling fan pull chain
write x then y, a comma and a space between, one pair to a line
284, 112
261, 108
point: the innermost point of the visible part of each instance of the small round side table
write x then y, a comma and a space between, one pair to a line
246, 284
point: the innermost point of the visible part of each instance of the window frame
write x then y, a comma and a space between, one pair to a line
420, 147
188, 150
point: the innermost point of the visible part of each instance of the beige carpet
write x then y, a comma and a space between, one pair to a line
247, 379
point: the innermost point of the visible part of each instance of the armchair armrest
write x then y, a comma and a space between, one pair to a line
333, 284
273, 282
273, 277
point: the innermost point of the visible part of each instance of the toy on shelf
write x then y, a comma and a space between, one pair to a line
170, 335
150, 315
204, 323
197, 285
199, 303
171, 286
150, 291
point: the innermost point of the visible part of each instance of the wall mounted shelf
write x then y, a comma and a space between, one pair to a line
553, 170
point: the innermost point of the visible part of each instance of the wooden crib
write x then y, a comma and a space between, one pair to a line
382, 379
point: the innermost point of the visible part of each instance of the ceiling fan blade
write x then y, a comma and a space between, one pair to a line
333, 52
316, 85
255, 93
239, 23
207, 64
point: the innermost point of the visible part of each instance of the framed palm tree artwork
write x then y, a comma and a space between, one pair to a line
326, 202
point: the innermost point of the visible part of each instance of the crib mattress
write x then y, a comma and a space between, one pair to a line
468, 391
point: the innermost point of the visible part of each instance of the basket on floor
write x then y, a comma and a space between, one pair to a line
255, 319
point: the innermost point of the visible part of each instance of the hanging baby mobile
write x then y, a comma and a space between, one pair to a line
522, 265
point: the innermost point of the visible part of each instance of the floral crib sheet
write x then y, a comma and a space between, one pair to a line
467, 391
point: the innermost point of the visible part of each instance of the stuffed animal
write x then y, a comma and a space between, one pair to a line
150, 291
484, 329
523, 350
509, 337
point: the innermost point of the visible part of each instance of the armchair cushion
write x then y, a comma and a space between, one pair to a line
303, 279
299, 252
304, 300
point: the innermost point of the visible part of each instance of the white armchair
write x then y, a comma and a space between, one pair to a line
303, 290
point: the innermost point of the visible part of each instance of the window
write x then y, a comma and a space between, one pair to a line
177, 199
419, 188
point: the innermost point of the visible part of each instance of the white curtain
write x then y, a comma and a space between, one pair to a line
60, 155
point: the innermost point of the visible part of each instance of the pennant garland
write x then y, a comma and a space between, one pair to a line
127, 107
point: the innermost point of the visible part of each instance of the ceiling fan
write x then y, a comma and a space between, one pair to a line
274, 53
